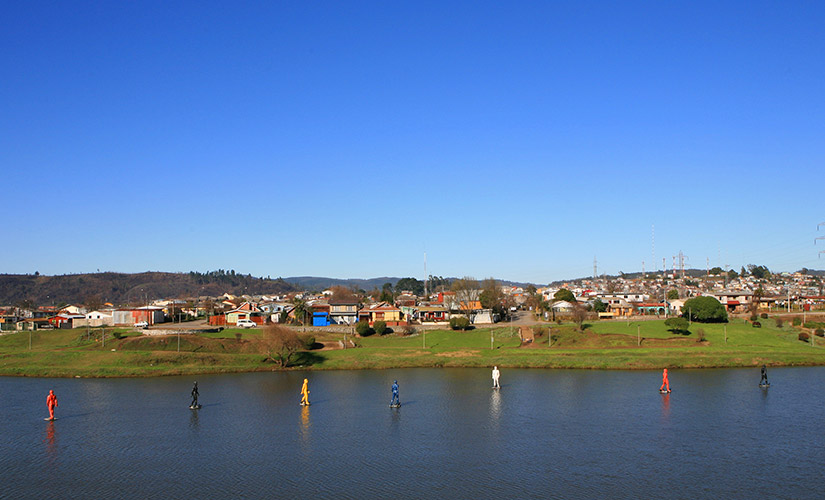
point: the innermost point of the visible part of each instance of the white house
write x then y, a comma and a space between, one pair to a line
100, 318
562, 306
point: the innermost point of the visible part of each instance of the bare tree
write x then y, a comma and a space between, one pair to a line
281, 344
579, 315
93, 303
755, 299
340, 292
466, 294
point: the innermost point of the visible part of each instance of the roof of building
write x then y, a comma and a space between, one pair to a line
343, 302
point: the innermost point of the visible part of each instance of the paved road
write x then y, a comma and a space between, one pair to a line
520, 318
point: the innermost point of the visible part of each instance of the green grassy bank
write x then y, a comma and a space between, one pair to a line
603, 345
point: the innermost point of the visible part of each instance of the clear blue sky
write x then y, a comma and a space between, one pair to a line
511, 139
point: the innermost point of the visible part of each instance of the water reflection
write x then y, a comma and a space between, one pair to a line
51, 442
495, 405
193, 420
395, 418
666, 407
305, 424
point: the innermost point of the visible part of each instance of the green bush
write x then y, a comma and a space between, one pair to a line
819, 332
460, 323
308, 340
753, 318
380, 327
677, 325
779, 323
705, 310
804, 336
363, 329
796, 322
764, 315
700, 335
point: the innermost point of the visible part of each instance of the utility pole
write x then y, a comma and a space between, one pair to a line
426, 278
664, 301
638, 336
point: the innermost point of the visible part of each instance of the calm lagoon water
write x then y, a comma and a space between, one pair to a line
545, 434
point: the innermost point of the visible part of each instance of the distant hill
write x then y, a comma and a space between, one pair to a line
317, 284
122, 288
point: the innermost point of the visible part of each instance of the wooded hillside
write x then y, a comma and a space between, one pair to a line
122, 288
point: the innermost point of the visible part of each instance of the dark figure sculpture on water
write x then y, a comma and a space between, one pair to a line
195, 394
395, 401
764, 379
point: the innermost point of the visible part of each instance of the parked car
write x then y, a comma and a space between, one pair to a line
142, 324
246, 323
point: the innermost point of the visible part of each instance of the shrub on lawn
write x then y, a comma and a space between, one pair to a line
677, 325
406, 330
363, 329
804, 337
308, 340
459, 323
380, 327
756, 324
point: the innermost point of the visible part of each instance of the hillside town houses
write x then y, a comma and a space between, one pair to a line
656, 294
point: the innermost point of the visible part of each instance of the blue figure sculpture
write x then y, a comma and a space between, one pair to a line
395, 400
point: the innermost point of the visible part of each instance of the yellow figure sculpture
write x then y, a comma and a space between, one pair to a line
305, 393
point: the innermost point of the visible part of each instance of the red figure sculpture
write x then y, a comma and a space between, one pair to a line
665, 384
51, 402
